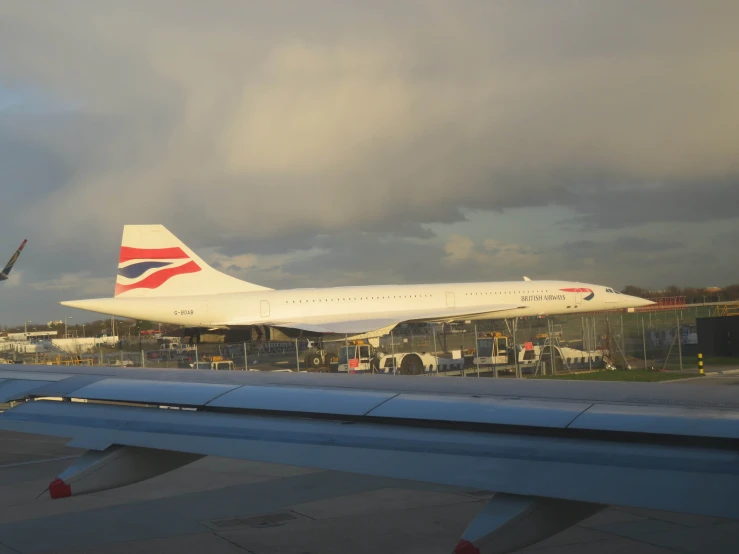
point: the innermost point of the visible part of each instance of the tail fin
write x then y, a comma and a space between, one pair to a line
6, 270
153, 262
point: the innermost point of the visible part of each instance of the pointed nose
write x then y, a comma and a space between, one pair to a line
636, 302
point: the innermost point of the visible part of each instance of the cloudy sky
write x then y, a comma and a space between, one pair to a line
326, 142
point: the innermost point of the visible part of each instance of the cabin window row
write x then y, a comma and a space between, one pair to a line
504, 292
360, 298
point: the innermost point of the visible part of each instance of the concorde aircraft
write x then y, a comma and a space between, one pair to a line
161, 279
6, 270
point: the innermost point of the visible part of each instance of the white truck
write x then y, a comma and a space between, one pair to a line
493, 350
217, 365
176, 347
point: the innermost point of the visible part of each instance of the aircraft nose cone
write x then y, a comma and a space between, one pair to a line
636, 302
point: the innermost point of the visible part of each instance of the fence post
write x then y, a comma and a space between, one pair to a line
246, 358
679, 341
590, 344
143, 359
477, 354
297, 355
392, 345
519, 372
644, 342
433, 331
346, 349
595, 334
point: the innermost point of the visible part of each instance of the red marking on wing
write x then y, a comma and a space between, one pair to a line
576, 290
466, 547
59, 489
156, 280
128, 253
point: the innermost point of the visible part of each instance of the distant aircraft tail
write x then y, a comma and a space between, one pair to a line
153, 262
11, 262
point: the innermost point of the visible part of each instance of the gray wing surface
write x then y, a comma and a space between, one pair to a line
560, 450
363, 323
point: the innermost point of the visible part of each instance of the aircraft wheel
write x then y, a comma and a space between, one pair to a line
411, 365
313, 360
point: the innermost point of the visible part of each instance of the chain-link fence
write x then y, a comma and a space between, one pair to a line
660, 339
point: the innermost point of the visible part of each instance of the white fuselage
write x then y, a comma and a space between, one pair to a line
271, 307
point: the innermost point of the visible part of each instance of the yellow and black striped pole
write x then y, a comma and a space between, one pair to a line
700, 364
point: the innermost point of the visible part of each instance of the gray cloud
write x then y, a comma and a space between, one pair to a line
709, 200
621, 245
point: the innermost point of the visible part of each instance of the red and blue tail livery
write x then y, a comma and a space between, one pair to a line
6, 270
589, 292
150, 268
155, 263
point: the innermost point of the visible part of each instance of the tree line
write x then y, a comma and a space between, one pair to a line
693, 295
128, 328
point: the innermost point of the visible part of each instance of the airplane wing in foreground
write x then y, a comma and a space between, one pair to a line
554, 452
364, 323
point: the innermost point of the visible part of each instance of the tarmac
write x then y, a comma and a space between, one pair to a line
219, 505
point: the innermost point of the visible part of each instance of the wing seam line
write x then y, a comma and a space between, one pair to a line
574, 419
373, 408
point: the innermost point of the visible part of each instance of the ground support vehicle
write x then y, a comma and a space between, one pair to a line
493, 349
365, 358
214, 365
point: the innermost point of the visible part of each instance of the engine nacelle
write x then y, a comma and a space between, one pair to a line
116, 466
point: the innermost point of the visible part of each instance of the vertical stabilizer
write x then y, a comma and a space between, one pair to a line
6, 270
153, 262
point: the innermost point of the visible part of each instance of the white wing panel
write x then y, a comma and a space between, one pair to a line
468, 409
642, 394
304, 399
153, 392
361, 323
662, 420
18, 388
351, 327
32, 373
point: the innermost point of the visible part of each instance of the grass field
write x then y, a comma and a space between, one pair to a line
720, 361
634, 375
692, 363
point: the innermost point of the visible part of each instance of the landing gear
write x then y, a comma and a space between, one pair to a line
313, 360
411, 365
